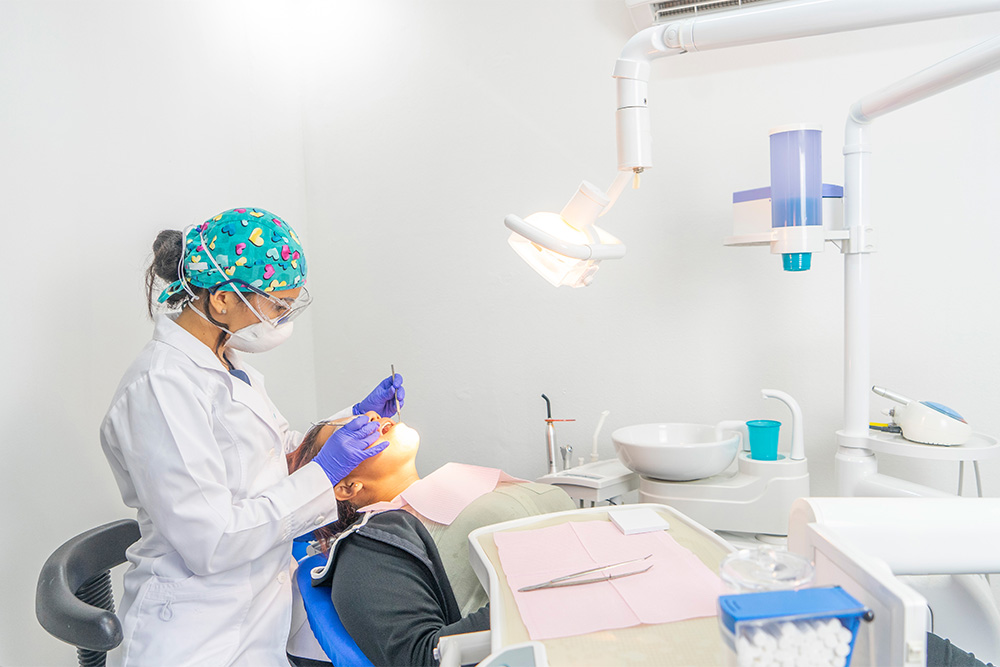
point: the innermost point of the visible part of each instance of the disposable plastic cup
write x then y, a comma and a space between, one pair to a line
763, 435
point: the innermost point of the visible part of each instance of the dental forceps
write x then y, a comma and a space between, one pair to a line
571, 579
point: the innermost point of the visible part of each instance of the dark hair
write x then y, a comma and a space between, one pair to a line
168, 249
347, 512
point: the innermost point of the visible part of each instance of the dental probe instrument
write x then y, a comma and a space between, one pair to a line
571, 579
399, 410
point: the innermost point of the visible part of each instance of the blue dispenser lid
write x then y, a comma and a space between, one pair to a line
829, 190
808, 602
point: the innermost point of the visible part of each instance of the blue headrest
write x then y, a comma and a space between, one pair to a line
323, 619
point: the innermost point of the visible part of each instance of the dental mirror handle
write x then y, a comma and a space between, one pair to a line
399, 410
891, 395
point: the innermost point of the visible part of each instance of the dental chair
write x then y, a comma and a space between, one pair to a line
323, 619
74, 601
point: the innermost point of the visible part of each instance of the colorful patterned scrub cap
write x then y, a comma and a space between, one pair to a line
249, 246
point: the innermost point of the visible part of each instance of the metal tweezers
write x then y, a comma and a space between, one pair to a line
571, 579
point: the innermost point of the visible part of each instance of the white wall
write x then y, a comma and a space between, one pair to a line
449, 116
117, 119
397, 135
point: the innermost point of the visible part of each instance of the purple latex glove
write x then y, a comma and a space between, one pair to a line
349, 446
383, 397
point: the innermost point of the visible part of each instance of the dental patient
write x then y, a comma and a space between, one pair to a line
399, 568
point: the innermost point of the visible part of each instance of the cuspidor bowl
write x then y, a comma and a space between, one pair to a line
676, 452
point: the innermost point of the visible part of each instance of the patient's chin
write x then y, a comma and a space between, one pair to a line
405, 437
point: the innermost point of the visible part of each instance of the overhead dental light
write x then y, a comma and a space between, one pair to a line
567, 248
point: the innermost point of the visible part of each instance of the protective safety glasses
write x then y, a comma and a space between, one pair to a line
270, 308
280, 311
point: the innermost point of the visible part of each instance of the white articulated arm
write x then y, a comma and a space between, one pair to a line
755, 24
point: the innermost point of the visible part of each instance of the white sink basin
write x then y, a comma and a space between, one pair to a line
676, 452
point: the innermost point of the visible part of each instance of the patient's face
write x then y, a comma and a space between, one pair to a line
401, 450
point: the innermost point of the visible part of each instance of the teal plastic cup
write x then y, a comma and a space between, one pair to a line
763, 435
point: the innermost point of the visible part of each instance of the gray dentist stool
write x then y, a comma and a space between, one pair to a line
74, 601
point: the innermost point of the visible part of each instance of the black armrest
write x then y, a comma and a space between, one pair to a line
75, 563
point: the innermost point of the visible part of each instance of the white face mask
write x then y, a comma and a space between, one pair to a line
260, 337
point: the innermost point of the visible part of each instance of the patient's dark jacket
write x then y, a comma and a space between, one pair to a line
391, 591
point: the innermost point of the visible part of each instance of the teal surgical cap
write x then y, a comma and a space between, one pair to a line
243, 249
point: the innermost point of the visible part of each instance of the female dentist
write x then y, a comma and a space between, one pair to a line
198, 449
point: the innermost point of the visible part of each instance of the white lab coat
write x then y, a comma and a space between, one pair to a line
200, 455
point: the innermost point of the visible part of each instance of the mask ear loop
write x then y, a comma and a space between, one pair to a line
180, 266
201, 237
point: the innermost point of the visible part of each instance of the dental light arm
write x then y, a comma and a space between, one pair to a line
581, 244
579, 251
